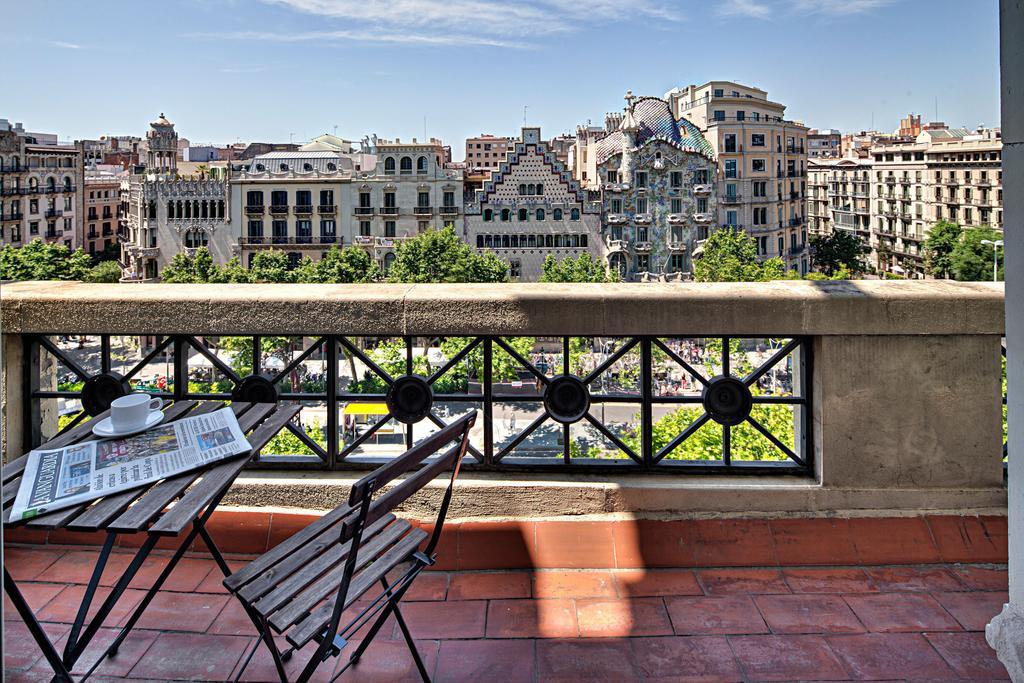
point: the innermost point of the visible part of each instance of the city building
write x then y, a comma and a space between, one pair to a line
655, 173
40, 188
839, 196
762, 164
102, 212
486, 152
165, 214
561, 146
823, 143
910, 126
530, 208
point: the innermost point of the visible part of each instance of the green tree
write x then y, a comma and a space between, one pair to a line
731, 256
971, 260
232, 271
938, 248
583, 268
104, 271
40, 261
271, 265
440, 256
840, 250
351, 264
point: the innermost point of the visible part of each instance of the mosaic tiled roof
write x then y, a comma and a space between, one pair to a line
654, 121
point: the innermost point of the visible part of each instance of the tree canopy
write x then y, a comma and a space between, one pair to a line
938, 248
971, 259
440, 256
350, 264
38, 260
583, 268
731, 256
840, 251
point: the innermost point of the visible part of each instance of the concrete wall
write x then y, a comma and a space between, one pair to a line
906, 379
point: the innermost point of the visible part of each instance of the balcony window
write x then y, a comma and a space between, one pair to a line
421, 165
448, 198
280, 231
405, 165
389, 200
719, 115
730, 143
364, 228
303, 198
758, 165
195, 238
730, 168
389, 165
641, 204
326, 197
328, 230
613, 176
643, 263
675, 205
700, 176
304, 230
675, 179
279, 198
423, 200
389, 228
677, 263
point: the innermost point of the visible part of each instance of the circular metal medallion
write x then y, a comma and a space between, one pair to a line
727, 400
255, 389
99, 391
567, 399
410, 398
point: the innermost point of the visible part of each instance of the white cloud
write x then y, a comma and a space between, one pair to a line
365, 36
66, 46
745, 8
838, 7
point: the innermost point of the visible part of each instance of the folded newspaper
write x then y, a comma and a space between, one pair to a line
60, 478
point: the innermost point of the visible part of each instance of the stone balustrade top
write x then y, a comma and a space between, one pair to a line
863, 307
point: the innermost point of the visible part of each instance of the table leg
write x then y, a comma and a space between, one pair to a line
90, 591
60, 671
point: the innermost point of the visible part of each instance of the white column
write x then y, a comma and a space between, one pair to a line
1006, 631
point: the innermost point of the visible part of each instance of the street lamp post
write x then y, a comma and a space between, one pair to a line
995, 257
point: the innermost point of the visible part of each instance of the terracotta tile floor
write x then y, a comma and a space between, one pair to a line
821, 623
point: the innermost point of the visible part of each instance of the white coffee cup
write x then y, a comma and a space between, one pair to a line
131, 411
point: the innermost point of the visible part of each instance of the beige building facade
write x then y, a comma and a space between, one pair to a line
762, 164
102, 212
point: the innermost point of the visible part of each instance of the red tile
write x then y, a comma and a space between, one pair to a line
902, 579
25, 564
893, 540
532, 619
489, 585
389, 661
734, 543
661, 582
508, 661
807, 614
130, 542
685, 659
893, 612
184, 578
238, 531
261, 668
607, 659
37, 595
214, 581
573, 584
647, 543
729, 581
828, 581
428, 586
182, 611
233, 621
23, 534
573, 545
715, 615
973, 610
970, 539
447, 551
889, 655
76, 566
815, 540
284, 525
787, 658
457, 619
968, 654
191, 656
20, 650
618, 618
65, 609
495, 545
982, 579
128, 653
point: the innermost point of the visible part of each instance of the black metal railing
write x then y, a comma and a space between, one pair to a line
651, 404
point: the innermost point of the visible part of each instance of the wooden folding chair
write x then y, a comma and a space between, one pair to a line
302, 586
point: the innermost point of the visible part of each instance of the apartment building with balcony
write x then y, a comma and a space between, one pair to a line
531, 208
102, 198
762, 164
943, 173
486, 152
825, 143
40, 188
839, 196
655, 173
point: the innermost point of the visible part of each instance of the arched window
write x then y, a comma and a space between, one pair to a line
51, 184
331, 166
574, 214
261, 167
557, 214
406, 165
196, 238
307, 166
617, 262
421, 165
67, 183
15, 162
284, 167
540, 214
488, 215
506, 214
531, 189
524, 215
389, 260
33, 184
522, 188
389, 165
170, 209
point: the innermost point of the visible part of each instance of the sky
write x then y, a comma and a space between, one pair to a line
280, 70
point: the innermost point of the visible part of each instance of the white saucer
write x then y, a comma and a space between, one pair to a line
105, 430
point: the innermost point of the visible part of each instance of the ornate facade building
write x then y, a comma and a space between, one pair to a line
530, 208
166, 214
656, 176
40, 189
